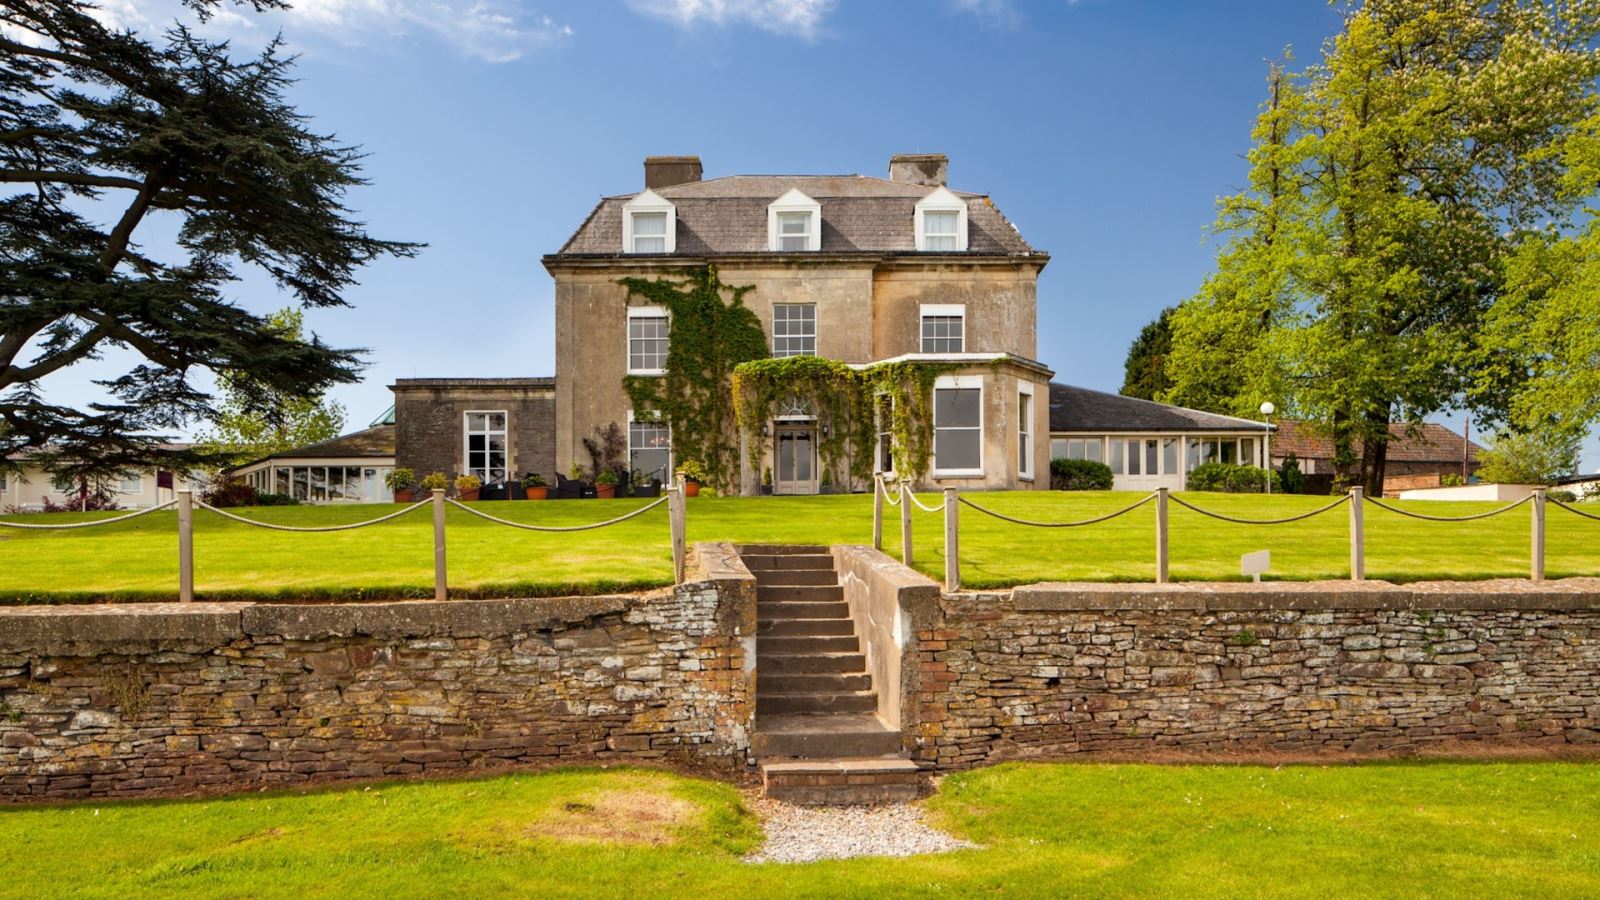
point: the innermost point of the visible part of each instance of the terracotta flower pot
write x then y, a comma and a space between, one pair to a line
605, 491
691, 488
406, 495
537, 493
469, 495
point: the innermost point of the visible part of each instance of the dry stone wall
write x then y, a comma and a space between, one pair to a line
167, 698
1061, 669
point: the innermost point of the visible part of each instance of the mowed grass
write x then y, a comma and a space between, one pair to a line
1389, 829
137, 560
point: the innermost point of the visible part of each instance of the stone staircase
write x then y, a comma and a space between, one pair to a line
818, 735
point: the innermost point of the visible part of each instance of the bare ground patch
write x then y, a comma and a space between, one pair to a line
621, 816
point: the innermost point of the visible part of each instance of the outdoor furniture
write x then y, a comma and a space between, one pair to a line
567, 488
496, 491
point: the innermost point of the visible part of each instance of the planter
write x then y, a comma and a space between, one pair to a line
691, 488
605, 491
468, 495
766, 490
494, 492
405, 495
537, 493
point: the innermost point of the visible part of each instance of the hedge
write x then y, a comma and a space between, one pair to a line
1079, 475
1231, 479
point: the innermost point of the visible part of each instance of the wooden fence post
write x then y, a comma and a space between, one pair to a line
877, 512
1358, 535
1538, 534
440, 591
905, 525
185, 545
1161, 535
952, 541
675, 520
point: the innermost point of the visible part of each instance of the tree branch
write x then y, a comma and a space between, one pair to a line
81, 179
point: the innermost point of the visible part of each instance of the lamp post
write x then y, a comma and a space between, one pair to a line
1267, 409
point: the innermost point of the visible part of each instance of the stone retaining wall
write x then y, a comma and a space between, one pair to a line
165, 698
1061, 669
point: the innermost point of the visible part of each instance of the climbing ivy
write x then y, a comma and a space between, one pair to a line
710, 331
848, 400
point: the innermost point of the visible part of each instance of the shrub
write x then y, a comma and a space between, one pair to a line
400, 478
534, 480
1561, 496
1451, 479
1079, 475
435, 481
691, 470
276, 500
92, 501
1289, 476
226, 492
468, 482
1231, 479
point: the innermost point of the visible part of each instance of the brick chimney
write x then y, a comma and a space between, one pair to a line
665, 171
928, 169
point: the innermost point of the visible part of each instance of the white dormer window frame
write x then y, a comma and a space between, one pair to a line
941, 201
785, 211
651, 204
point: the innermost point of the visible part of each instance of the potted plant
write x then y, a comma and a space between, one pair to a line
534, 486
605, 485
435, 481
693, 473
826, 486
467, 487
766, 482
403, 484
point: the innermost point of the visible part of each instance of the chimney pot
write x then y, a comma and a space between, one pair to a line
929, 169
666, 171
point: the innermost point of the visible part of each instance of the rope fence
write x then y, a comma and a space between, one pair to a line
186, 503
1355, 499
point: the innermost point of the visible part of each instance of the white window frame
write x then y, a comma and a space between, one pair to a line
884, 434
959, 382
646, 312
1025, 449
941, 200
942, 310
794, 202
136, 480
791, 337
650, 418
466, 444
649, 202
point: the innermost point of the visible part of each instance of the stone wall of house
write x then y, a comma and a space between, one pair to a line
429, 417
1062, 669
118, 701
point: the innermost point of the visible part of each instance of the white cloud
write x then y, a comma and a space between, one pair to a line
993, 13
491, 30
801, 18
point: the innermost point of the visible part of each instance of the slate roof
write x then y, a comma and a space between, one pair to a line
860, 214
1431, 443
369, 443
1076, 409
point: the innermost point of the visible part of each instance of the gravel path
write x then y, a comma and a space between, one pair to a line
808, 833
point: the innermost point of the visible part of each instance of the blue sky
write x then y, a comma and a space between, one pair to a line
1105, 129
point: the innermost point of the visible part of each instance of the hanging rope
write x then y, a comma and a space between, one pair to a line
1573, 509
919, 504
308, 529
1427, 518
1097, 519
888, 498
526, 527
94, 524
1283, 521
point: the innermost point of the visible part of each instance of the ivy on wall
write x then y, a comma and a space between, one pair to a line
851, 401
710, 331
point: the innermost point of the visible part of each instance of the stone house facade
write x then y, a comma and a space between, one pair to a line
851, 268
494, 428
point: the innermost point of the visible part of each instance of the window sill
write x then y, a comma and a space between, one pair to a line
647, 371
958, 473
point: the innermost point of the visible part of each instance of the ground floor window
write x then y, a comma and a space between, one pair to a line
884, 452
486, 446
1159, 455
1078, 448
650, 450
323, 484
1025, 431
958, 425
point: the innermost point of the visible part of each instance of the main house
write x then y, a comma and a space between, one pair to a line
858, 269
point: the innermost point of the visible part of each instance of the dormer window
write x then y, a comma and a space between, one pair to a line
794, 224
649, 224
941, 222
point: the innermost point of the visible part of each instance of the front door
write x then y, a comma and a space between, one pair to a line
796, 471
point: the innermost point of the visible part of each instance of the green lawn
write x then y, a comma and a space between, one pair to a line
138, 560
1401, 829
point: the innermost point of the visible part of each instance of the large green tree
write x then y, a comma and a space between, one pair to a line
1391, 184
1144, 374
106, 136
243, 429
1530, 457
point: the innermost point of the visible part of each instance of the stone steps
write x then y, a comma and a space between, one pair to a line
824, 736
799, 593
802, 609
831, 699
803, 627
783, 683
841, 781
807, 664
805, 644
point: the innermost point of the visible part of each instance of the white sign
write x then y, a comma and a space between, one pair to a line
1254, 564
